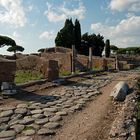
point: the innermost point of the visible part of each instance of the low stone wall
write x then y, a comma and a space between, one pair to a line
7, 70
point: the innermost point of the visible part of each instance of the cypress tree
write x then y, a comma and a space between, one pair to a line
65, 37
107, 48
77, 35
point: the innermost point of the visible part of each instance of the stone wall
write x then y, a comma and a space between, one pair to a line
33, 62
7, 70
64, 59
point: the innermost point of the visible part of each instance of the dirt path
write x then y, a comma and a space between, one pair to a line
94, 121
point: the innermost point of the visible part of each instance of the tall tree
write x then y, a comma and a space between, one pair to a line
65, 36
94, 41
6, 41
107, 48
77, 35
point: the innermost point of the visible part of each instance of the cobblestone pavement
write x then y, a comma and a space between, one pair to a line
23, 121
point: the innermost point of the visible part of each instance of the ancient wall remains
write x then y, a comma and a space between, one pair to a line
7, 70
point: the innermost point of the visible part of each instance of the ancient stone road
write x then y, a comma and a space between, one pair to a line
44, 118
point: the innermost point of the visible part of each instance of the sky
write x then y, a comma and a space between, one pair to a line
34, 24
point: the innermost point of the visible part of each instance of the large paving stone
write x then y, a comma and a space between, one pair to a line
6, 113
7, 134
43, 105
45, 131
4, 119
26, 121
62, 113
34, 126
29, 132
52, 125
33, 107
50, 109
17, 116
37, 111
21, 111
48, 114
55, 118
22, 106
51, 103
18, 128
4, 127
7, 108
13, 122
38, 116
24, 138
41, 121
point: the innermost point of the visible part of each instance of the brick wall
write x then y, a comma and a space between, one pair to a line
64, 59
7, 70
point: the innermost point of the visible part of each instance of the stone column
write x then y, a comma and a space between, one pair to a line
116, 63
73, 59
90, 58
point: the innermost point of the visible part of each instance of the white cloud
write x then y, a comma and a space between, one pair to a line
47, 35
17, 37
60, 13
122, 5
52, 15
125, 33
12, 13
77, 12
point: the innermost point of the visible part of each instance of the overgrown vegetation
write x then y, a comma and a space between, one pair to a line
26, 76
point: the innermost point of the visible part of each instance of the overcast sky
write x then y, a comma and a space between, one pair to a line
34, 23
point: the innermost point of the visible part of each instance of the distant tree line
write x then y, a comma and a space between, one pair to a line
128, 50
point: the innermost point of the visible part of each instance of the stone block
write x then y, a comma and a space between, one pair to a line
50, 70
120, 91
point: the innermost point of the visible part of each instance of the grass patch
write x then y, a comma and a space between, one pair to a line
110, 66
64, 73
96, 69
26, 76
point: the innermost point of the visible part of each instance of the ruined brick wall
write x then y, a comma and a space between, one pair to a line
111, 63
7, 70
64, 59
31, 62
97, 62
63, 56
